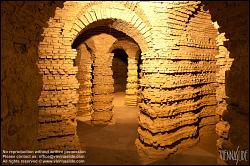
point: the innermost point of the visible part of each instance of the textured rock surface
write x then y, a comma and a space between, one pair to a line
22, 24
191, 76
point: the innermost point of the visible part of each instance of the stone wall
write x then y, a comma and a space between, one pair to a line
183, 59
22, 24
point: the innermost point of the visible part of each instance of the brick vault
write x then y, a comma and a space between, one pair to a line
186, 70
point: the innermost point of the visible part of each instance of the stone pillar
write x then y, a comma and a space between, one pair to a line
177, 82
84, 76
102, 88
132, 83
102, 78
57, 103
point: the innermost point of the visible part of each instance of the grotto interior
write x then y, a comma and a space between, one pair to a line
128, 82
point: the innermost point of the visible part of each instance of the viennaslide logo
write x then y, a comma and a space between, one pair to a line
234, 155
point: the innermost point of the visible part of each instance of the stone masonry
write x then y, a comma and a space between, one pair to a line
192, 78
102, 77
133, 53
84, 61
179, 95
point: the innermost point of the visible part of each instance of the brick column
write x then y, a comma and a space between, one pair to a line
177, 82
57, 102
132, 83
102, 78
102, 88
84, 62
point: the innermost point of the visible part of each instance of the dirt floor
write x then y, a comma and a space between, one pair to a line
115, 143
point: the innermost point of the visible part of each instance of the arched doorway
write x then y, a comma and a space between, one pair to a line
181, 40
98, 45
74, 24
120, 70
134, 54
100, 48
178, 50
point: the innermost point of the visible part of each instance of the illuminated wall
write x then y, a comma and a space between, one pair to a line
188, 78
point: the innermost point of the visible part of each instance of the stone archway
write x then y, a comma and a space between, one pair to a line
182, 49
120, 70
91, 52
179, 56
59, 97
133, 52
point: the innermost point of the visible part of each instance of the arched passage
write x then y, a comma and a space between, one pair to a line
185, 86
96, 47
120, 70
59, 97
133, 51
101, 42
189, 58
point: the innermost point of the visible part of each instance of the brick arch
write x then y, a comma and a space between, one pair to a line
130, 5
125, 20
127, 45
58, 99
133, 52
